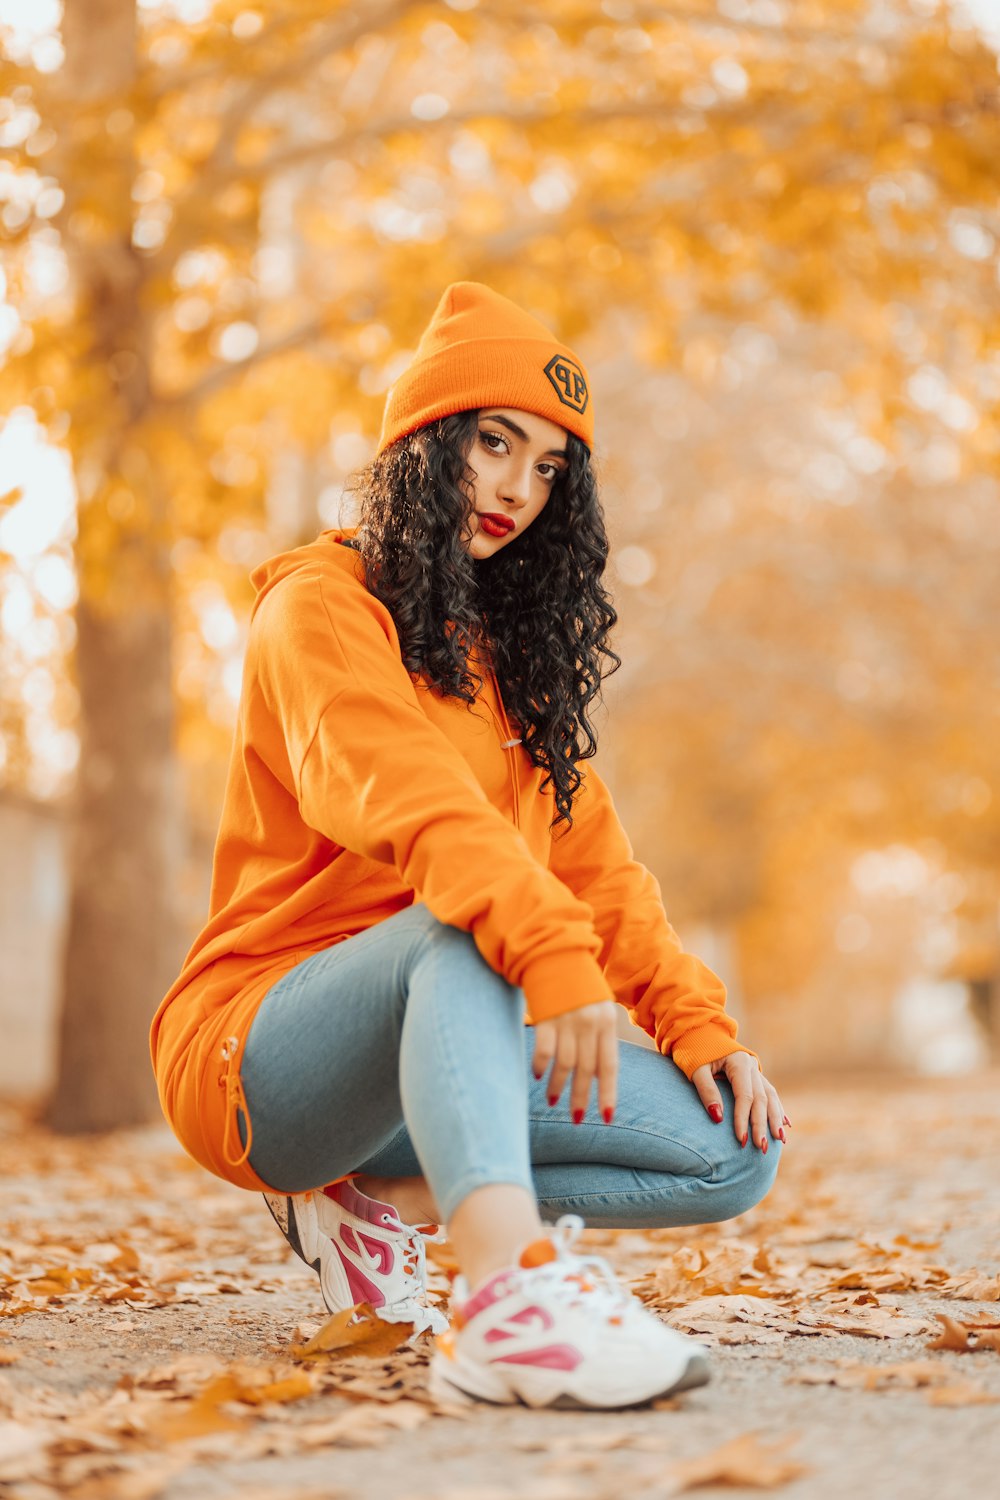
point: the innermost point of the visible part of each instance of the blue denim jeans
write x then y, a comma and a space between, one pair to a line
399, 1052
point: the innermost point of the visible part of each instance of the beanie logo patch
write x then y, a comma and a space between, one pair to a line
568, 382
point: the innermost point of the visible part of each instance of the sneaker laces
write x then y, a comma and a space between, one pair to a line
416, 1238
572, 1276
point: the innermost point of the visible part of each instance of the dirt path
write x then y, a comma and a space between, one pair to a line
148, 1315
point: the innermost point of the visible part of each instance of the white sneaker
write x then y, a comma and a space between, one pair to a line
362, 1251
557, 1329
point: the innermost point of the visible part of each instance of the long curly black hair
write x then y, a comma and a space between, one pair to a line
537, 609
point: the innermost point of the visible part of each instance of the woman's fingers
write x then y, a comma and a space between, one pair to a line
607, 1073
756, 1104
758, 1114
582, 1043
738, 1074
775, 1112
596, 1056
545, 1048
564, 1061
583, 1075
703, 1080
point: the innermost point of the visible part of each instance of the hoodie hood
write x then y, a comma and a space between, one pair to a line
327, 546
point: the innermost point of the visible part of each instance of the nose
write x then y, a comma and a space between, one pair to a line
515, 482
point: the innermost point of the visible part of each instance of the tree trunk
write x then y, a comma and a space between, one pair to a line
121, 950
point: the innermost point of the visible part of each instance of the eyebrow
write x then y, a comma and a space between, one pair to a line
520, 432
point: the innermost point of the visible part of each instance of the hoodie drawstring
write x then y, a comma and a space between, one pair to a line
230, 1080
510, 743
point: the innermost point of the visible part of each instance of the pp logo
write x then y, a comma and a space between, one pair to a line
567, 380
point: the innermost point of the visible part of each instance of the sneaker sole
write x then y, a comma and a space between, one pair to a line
444, 1387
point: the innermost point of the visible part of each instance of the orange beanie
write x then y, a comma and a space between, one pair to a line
480, 349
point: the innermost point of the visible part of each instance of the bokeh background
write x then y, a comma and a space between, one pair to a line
771, 229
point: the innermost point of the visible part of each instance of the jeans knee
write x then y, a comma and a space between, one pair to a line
436, 939
457, 948
749, 1175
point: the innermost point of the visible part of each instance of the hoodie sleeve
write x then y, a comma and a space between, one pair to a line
372, 774
669, 993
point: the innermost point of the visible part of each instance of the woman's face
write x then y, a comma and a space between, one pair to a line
516, 457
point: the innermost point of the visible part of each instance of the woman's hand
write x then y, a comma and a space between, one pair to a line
583, 1042
756, 1102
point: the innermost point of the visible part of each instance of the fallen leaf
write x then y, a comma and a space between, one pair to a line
767, 1320
954, 1336
255, 1388
963, 1393
972, 1285
742, 1461
192, 1419
880, 1323
957, 1336
125, 1261
355, 1330
702, 1315
854, 1374
730, 1268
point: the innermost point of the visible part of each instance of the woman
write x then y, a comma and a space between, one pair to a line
412, 860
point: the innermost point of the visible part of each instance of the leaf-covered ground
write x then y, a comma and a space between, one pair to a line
157, 1339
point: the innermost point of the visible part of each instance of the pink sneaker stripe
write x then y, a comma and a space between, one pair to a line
379, 1249
486, 1296
533, 1314
369, 1209
362, 1290
551, 1357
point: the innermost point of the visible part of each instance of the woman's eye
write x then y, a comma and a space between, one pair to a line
488, 437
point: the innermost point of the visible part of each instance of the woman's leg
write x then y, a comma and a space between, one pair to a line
403, 1022
663, 1160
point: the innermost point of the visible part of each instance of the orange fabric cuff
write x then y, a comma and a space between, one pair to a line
705, 1044
562, 982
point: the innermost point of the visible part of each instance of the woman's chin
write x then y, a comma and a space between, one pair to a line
483, 545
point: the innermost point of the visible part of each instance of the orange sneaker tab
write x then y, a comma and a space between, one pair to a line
537, 1253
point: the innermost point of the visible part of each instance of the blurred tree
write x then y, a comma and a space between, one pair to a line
122, 939
259, 209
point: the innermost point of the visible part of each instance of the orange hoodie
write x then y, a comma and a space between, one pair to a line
355, 789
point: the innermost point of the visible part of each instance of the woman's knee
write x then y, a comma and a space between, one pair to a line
457, 950
744, 1175
455, 991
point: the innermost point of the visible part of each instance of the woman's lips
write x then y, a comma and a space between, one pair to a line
496, 525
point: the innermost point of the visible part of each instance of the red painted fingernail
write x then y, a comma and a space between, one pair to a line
781, 1135
763, 1145
715, 1110
577, 1116
553, 1101
787, 1120
608, 1114
746, 1137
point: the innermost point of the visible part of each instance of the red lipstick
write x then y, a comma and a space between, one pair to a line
495, 524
